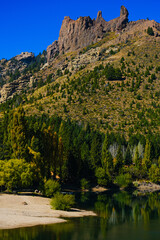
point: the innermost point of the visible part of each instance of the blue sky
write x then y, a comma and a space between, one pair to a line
32, 25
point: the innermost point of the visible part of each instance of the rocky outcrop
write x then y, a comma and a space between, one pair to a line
17, 63
10, 89
25, 57
52, 50
146, 187
76, 34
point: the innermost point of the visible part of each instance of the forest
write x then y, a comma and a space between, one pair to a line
34, 149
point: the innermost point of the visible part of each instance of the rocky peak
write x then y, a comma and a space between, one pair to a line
76, 34
123, 19
124, 12
99, 15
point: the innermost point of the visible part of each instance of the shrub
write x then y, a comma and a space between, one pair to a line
51, 187
150, 31
139, 97
103, 179
84, 184
154, 173
112, 73
62, 202
124, 180
153, 76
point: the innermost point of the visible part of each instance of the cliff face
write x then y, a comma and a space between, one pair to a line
7, 67
76, 34
52, 50
16, 87
19, 62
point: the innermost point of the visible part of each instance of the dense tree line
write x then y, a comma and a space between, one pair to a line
51, 148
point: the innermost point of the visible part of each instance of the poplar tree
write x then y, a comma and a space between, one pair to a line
48, 150
136, 158
6, 150
17, 131
60, 157
106, 160
65, 137
146, 161
55, 154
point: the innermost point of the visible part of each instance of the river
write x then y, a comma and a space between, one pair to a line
120, 216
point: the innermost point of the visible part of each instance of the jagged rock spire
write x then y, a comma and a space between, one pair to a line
76, 34
124, 12
99, 15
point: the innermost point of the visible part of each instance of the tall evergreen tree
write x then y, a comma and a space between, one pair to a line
146, 161
60, 157
107, 162
55, 154
95, 152
119, 160
65, 137
48, 150
128, 157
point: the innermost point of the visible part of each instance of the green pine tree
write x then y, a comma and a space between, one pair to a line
128, 157
95, 151
107, 162
119, 160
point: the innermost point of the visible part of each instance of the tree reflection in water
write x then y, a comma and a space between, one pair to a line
119, 215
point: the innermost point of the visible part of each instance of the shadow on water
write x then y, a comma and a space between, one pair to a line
119, 216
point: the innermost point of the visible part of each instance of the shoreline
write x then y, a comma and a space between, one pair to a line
146, 186
18, 211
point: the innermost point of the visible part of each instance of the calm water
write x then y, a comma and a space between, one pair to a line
120, 216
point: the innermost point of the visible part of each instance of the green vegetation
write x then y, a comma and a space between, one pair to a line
112, 73
84, 184
36, 65
150, 31
18, 174
62, 202
53, 148
102, 177
154, 173
98, 123
124, 180
51, 187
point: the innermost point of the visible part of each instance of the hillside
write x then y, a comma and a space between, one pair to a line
87, 113
75, 85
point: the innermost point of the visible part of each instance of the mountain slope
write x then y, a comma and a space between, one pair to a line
77, 85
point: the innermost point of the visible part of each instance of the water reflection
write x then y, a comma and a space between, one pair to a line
54, 232
123, 207
120, 216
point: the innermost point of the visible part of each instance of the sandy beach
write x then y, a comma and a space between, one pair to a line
24, 211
